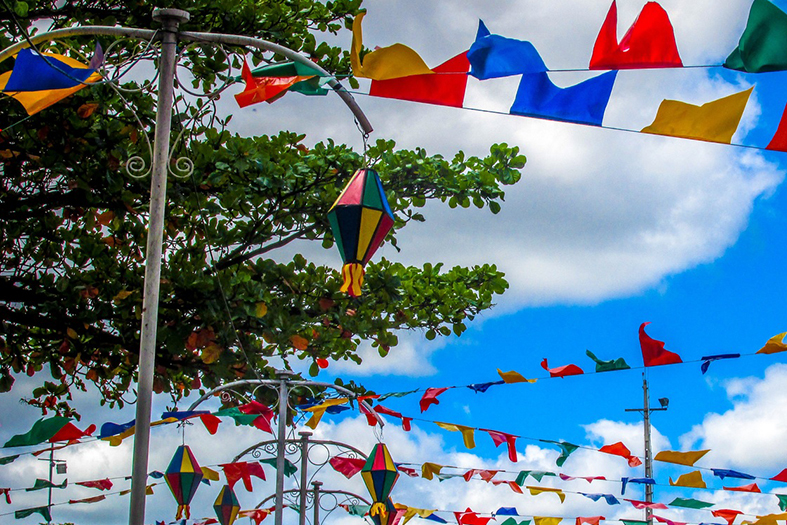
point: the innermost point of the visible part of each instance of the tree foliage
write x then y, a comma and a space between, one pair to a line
74, 226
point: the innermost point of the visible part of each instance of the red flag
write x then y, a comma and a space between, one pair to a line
669, 522
649, 42
347, 466
242, 470
645, 505
446, 87
485, 475
501, 437
94, 499
69, 432
256, 514
266, 414
7, 494
261, 89
781, 476
561, 371
388, 412
469, 517
653, 352
368, 413
592, 520
430, 397
211, 422
619, 449
745, 488
407, 470
100, 484
726, 514
779, 140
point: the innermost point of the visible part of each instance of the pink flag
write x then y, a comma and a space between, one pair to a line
347, 466
501, 437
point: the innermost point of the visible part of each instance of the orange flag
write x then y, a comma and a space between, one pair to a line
680, 458
774, 345
692, 479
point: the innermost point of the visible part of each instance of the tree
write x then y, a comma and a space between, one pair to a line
74, 225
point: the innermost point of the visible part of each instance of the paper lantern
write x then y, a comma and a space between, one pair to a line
390, 515
227, 506
380, 475
183, 476
360, 219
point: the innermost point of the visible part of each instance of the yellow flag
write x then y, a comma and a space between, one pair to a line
774, 345
319, 410
35, 101
411, 512
514, 377
428, 470
540, 520
692, 479
385, 63
714, 121
770, 519
534, 491
468, 433
681, 458
210, 474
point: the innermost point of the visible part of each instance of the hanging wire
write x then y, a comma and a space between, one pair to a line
365, 139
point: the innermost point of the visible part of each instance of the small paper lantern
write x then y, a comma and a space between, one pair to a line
183, 477
226, 506
360, 219
380, 475
390, 515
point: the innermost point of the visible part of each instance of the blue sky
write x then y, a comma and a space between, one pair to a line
606, 230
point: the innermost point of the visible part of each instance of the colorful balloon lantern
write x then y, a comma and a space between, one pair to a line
390, 515
360, 219
380, 475
183, 477
227, 506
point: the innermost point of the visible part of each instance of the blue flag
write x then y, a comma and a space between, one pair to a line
494, 56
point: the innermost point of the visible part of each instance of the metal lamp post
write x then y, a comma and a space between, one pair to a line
169, 37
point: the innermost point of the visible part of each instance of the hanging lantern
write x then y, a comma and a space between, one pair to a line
360, 219
390, 515
380, 475
226, 506
183, 476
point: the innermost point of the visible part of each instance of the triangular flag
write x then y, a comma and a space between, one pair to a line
763, 45
774, 345
561, 371
714, 121
42, 430
393, 61
649, 42
727, 514
430, 398
582, 103
494, 56
690, 503
691, 479
619, 449
608, 366
514, 377
446, 87
680, 458
467, 432
752, 487
653, 352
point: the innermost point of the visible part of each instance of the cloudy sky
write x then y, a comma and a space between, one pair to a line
605, 231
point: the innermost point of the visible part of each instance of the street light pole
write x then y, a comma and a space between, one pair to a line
170, 20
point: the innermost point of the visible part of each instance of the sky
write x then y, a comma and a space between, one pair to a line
605, 231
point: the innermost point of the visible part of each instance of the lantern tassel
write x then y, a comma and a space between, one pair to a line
353, 279
183, 511
378, 508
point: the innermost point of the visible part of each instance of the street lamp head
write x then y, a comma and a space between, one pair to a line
170, 13
664, 402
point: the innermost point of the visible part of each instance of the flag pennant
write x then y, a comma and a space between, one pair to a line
649, 42
483, 387
430, 398
583, 103
242, 470
590, 520
468, 433
535, 491
43, 511
619, 449
469, 517
69, 432
46, 484
690, 503
289, 466
446, 87
566, 449
100, 484
542, 520
769, 519
608, 366
653, 352
394, 61
495, 56
561, 371
501, 437
714, 121
680, 458
42, 430
707, 360
94, 499
645, 505
387, 411
781, 497
506, 511
6, 492
691, 479
781, 476
752, 487
514, 377
264, 89
349, 467
726, 473
313, 82
726, 514
38, 81
642, 481
589, 479
668, 521
319, 410
763, 45
429, 470
774, 345
609, 498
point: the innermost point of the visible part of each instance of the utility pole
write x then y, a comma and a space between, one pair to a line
664, 402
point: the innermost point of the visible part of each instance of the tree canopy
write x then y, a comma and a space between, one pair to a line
74, 224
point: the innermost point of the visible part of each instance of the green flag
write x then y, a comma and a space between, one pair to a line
782, 501
239, 417
608, 366
522, 478
512, 521
44, 511
634, 522
8, 459
763, 45
45, 484
690, 503
289, 466
566, 450
396, 394
42, 430
358, 510
539, 474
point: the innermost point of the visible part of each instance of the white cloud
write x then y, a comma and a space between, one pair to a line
750, 435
